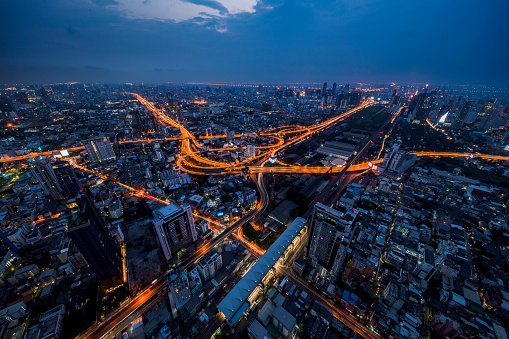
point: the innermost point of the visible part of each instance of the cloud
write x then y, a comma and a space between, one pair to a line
212, 4
182, 10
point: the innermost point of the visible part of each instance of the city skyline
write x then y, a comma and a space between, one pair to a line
254, 41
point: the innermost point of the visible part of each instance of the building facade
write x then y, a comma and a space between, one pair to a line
100, 150
92, 238
329, 241
43, 172
174, 227
209, 265
180, 292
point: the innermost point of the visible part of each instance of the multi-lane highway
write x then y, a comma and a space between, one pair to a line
192, 161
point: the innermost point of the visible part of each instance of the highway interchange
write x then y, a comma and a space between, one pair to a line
192, 161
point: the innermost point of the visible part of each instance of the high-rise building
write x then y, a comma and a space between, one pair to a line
329, 241
92, 238
66, 177
324, 89
175, 228
334, 86
169, 98
471, 116
180, 292
159, 152
209, 265
100, 150
250, 151
43, 172
230, 135
492, 120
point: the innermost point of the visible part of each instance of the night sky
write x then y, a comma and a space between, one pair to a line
450, 42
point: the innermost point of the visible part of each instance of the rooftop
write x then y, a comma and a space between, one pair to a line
167, 211
241, 291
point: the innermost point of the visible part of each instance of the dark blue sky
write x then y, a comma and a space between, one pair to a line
465, 42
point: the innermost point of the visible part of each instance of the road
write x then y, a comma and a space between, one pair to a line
338, 313
137, 305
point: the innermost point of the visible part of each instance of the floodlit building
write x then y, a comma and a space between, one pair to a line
175, 228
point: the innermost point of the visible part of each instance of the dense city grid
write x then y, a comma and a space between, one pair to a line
254, 210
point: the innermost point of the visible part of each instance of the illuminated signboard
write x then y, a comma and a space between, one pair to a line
220, 214
64, 153
370, 164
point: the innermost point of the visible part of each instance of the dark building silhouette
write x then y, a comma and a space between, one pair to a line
43, 172
88, 231
169, 98
44, 95
66, 177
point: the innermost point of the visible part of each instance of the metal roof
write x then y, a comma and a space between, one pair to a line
233, 301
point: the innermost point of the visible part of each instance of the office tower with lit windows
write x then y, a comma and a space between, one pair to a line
175, 228
92, 238
43, 172
100, 150
329, 241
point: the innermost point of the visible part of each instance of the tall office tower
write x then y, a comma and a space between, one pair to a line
44, 95
230, 135
208, 131
180, 292
492, 120
209, 265
334, 86
329, 241
88, 231
471, 116
324, 89
463, 113
99, 150
66, 177
46, 177
250, 151
175, 229
347, 88
159, 152
169, 98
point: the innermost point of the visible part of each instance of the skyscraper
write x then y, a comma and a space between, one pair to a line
175, 228
43, 172
329, 241
209, 265
324, 89
180, 292
66, 177
169, 98
88, 231
100, 150
250, 151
